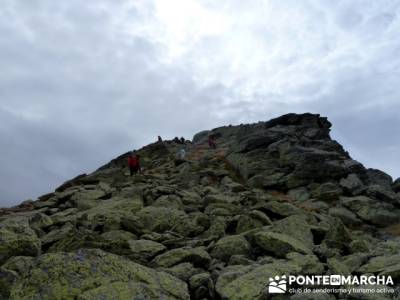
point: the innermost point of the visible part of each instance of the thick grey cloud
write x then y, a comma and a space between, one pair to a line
83, 82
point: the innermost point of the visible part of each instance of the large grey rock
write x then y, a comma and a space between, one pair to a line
94, 274
200, 137
378, 177
251, 282
7, 279
326, 165
230, 245
17, 238
328, 191
117, 241
299, 194
40, 223
337, 267
259, 140
297, 227
109, 214
199, 280
196, 256
379, 216
65, 216
251, 220
161, 219
337, 236
309, 264
383, 194
396, 185
352, 184
127, 290
230, 185
143, 250
347, 217
86, 199
370, 211
380, 264
183, 271
268, 181
280, 244
57, 234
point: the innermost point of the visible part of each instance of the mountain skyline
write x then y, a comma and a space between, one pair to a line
85, 82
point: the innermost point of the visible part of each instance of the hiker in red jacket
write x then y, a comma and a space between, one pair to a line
134, 164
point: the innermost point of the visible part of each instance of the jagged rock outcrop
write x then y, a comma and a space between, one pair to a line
276, 197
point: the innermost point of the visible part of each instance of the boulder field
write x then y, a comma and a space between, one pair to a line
274, 198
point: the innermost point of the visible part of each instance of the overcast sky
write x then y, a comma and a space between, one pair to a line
82, 82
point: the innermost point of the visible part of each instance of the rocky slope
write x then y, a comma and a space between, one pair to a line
277, 197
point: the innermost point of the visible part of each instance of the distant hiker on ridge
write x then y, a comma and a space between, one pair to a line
211, 142
134, 164
181, 153
159, 139
180, 156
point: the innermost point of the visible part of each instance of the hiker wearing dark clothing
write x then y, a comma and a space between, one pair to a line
159, 139
134, 164
211, 142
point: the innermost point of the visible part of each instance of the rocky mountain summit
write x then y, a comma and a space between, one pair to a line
277, 197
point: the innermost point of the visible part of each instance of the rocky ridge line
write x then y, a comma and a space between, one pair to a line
277, 197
